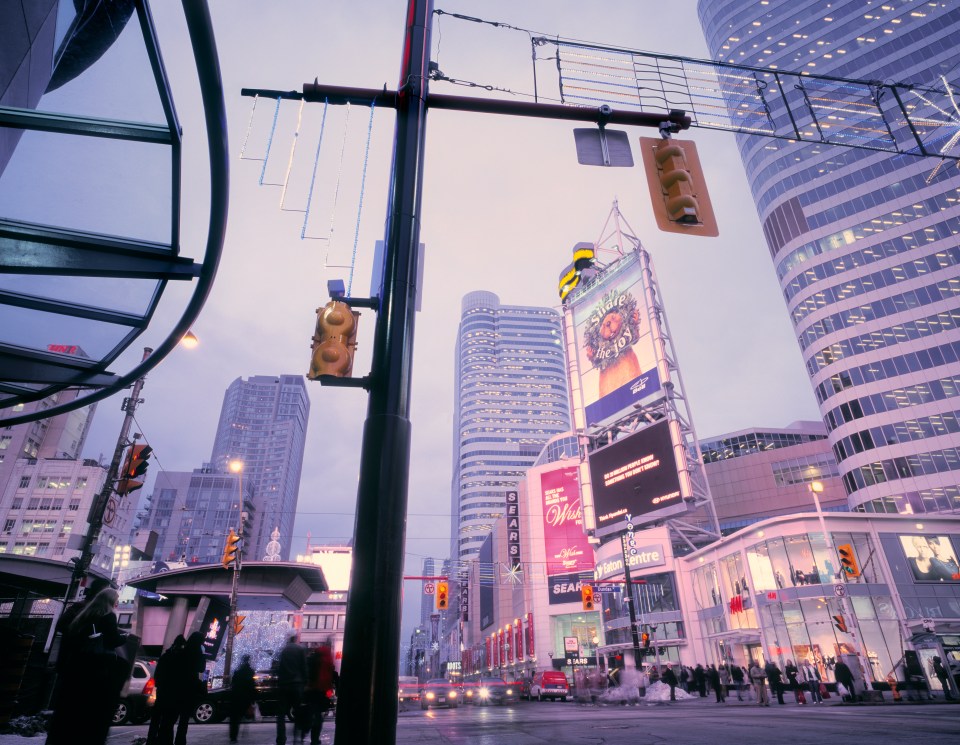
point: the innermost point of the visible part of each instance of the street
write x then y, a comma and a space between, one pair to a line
687, 722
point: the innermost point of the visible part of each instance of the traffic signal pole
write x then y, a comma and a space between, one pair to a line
367, 700
99, 506
634, 631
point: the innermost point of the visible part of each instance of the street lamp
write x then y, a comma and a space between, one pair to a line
235, 466
189, 340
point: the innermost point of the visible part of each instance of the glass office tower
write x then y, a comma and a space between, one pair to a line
511, 397
865, 244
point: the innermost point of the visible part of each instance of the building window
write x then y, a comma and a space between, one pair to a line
5, 441
24, 482
9, 525
74, 505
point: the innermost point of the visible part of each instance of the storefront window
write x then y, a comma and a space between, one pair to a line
732, 575
803, 565
760, 568
781, 564
705, 587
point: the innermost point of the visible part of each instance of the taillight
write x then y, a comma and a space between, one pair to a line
149, 687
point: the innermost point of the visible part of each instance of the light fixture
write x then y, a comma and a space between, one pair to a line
190, 340
236, 466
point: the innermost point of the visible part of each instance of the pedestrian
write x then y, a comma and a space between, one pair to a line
736, 675
725, 678
92, 673
943, 676
700, 680
810, 679
775, 679
759, 679
321, 682
713, 675
670, 678
685, 678
164, 708
793, 680
844, 676
243, 694
291, 679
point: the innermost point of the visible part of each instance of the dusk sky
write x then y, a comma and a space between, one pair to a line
504, 202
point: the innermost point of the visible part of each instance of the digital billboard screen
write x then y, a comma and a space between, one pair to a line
616, 355
932, 558
568, 552
637, 476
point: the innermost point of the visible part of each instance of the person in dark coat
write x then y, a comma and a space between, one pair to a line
713, 675
775, 679
670, 678
793, 673
700, 680
844, 675
90, 675
243, 692
321, 680
182, 688
736, 675
291, 679
164, 678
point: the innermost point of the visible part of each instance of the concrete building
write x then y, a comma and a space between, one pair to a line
322, 618
759, 473
511, 397
865, 245
263, 424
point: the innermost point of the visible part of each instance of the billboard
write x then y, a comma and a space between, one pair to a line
616, 356
567, 551
932, 558
636, 476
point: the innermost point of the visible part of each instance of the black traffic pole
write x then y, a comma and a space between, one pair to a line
634, 631
367, 700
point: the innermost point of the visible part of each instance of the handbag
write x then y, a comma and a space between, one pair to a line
824, 691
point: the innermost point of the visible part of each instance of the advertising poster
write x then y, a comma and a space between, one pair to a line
567, 551
932, 558
637, 476
616, 356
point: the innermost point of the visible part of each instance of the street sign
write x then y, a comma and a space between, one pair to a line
110, 513
429, 588
840, 589
570, 644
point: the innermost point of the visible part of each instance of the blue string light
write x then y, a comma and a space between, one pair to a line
276, 113
363, 183
313, 177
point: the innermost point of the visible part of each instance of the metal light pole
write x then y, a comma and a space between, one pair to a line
628, 590
236, 466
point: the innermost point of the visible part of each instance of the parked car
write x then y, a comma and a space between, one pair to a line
215, 705
439, 692
138, 695
496, 691
550, 684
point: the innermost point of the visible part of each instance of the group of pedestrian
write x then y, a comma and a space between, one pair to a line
305, 683
801, 679
179, 678
90, 669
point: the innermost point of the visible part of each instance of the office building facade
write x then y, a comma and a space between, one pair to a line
865, 245
263, 424
511, 397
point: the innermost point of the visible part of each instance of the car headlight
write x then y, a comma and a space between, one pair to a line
484, 693
429, 695
453, 694
509, 691
469, 694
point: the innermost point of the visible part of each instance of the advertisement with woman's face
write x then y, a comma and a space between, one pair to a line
931, 558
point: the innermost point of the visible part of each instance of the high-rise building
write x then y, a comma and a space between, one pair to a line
263, 424
511, 397
865, 244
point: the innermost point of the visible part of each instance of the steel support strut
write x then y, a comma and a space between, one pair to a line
367, 700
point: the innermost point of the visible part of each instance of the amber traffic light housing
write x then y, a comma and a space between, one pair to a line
134, 467
334, 341
848, 560
230, 549
586, 596
443, 596
678, 188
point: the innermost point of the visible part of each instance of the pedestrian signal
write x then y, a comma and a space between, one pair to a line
443, 596
586, 595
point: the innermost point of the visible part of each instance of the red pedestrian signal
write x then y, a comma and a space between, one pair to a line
645, 640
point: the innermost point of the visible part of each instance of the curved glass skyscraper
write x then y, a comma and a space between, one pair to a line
511, 398
865, 244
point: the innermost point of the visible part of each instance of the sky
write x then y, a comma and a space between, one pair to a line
504, 202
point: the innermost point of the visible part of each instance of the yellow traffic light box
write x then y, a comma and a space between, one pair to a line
678, 188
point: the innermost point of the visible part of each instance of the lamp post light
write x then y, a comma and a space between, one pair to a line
236, 466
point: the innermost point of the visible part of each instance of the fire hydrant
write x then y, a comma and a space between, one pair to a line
892, 680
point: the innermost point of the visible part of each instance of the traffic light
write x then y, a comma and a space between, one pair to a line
645, 640
238, 624
840, 622
230, 549
848, 560
586, 595
133, 468
334, 341
443, 596
678, 188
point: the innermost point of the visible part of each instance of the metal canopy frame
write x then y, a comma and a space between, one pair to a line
29, 374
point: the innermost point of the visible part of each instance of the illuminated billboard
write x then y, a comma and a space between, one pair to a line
616, 356
636, 476
932, 558
568, 553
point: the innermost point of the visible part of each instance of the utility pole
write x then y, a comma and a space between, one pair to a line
634, 632
100, 502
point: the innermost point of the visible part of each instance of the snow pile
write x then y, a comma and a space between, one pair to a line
629, 693
660, 691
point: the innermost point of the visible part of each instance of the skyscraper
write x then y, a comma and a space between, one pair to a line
865, 244
263, 423
511, 397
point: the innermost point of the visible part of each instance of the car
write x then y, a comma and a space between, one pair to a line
408, 689
439, 692
550, 684
138, 695
496, 691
